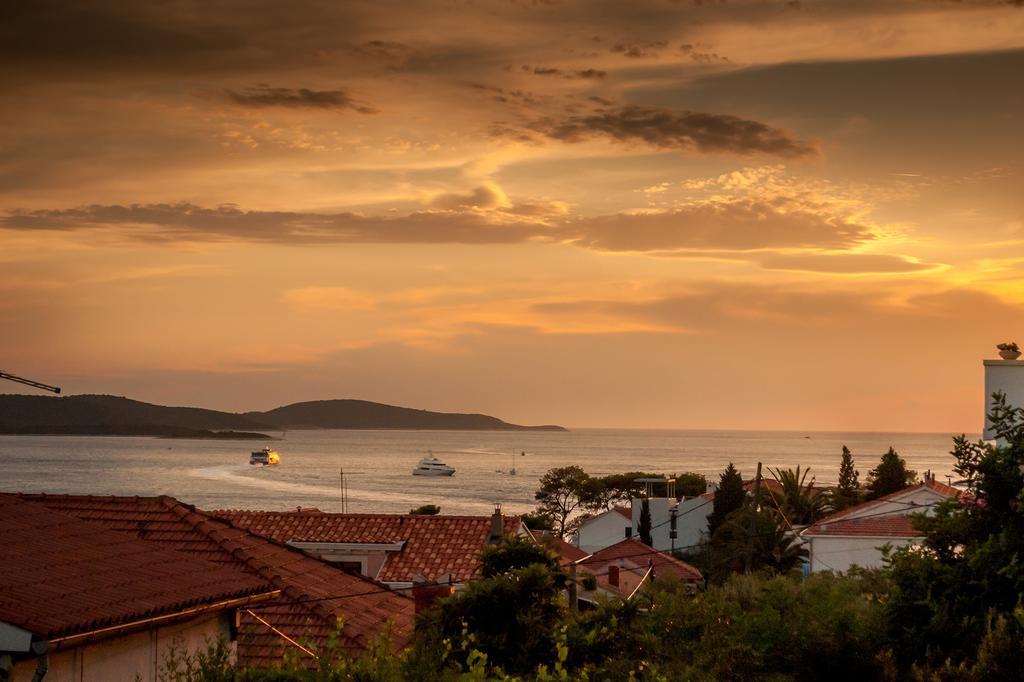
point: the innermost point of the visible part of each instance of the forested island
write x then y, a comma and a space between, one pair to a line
117, 416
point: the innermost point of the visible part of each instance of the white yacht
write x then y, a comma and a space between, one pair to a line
432, 466
266, 456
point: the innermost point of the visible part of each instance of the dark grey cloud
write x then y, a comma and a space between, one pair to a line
735, 225
673, 129
188, 222
583, 74
509, 96
48, 40
639, 50
297, 98
480, 217
481, 197
702, 56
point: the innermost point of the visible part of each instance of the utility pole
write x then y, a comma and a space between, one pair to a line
573, 605
757, 500
342, 491
672, 534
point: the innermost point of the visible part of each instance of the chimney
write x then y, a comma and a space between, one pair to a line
497, 526
1007, 376
613, 575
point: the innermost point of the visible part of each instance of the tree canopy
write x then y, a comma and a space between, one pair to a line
848, 490
729, 497
563, 492
890, 475
799, 503
963, 595
643, 526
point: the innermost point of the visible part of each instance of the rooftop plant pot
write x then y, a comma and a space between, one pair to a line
1009, 354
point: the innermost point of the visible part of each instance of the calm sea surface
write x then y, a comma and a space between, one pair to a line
378, 464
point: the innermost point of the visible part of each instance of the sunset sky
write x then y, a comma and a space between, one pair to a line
655, 213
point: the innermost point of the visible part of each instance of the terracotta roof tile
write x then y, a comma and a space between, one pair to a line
314, 593
568, 553
63, 576
434, 546
895, 525
831, 520
632, 554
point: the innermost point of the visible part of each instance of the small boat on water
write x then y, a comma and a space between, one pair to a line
266, 456
432, 466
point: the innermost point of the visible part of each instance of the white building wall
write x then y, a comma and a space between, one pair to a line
138, 656
601, 531
837, 553
692, 521
1006, 376
660, 526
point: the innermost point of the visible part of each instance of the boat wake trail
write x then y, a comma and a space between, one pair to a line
259, 477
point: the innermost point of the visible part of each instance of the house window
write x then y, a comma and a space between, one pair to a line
353, 567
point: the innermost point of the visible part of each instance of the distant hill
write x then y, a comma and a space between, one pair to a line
361, 414
112, 415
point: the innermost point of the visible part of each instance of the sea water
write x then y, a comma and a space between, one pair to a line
215, 474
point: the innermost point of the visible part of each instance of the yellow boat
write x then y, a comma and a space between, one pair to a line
265, 456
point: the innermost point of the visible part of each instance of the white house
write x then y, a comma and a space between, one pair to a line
605, 529
855, 536
691, 521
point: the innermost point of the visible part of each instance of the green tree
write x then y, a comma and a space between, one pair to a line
798, 501
729, 497
643, 527
563, 492
690, 484
962, 592
537, 521
754, 539
425, 510
849, 485
759, 627
513, 619
515, 552
890, 475
613, 489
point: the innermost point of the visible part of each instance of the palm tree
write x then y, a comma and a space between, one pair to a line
798, 501
755, 539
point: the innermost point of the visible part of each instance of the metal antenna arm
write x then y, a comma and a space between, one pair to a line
29, 382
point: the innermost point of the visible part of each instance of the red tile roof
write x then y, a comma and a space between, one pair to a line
314, 595
568, 553
895, 526
64, 577
633, 555
624, 511
839, 524
434, 546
